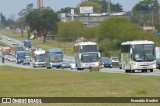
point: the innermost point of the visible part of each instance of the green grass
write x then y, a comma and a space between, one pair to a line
16, 35
3, 44
52, 83
17, 82
68, 50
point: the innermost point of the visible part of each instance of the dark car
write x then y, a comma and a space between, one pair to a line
158, 63
66, 64
48, 65
26, 62
106, 62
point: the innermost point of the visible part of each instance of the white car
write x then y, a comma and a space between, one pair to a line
13, 43
28, 58
6, 57
9, 39
26, 49
12, 59
114, 59
73, 66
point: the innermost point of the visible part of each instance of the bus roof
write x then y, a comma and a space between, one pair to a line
20, 51
5, 48
18, 46
55, 50
137, 42
85, 43
39, 52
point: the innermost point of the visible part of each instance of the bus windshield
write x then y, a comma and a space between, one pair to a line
143, 52
40, 58
89, 48
21, 55
56, 57
89, 57
7, 52
19, 48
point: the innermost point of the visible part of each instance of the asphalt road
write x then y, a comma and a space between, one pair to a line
155, 72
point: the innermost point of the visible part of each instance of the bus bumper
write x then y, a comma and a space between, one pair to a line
144, 66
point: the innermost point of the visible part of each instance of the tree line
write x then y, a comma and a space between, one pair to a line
109, 34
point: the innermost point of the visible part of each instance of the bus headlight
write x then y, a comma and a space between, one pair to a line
50, 64
135, 64
153, 63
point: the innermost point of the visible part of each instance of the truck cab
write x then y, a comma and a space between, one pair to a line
18, 48
6, 51
20, 56
27, 43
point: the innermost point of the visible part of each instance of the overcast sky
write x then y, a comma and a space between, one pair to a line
13, 7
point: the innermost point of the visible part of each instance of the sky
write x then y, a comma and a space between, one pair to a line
13, 7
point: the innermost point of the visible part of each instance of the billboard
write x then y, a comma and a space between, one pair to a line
63, 15
86, 10
72, 11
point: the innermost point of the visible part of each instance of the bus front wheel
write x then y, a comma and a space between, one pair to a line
144, 71
127, 71
151, 70
133, 71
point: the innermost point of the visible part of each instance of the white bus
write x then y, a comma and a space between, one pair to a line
38, 58
86, 55
138, 55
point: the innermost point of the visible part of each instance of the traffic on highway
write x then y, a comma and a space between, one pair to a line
86, 56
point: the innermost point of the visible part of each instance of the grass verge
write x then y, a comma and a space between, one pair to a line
17, 82
67, 47
49, 83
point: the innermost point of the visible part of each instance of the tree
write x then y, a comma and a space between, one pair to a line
70, 30
20, 23
115, 30
116, 7
11, 22
147, 6
65, 10
120, 28
146, 12
103, 3
43, 20
3, 20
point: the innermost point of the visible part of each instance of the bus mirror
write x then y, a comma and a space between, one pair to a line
79, 56
131, 51
99, 55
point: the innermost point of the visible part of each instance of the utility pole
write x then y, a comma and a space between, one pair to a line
22, 14
108, 7
39, 4
152, 21
0, 19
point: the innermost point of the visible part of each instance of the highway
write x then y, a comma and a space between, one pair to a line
9, 41
155, 72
